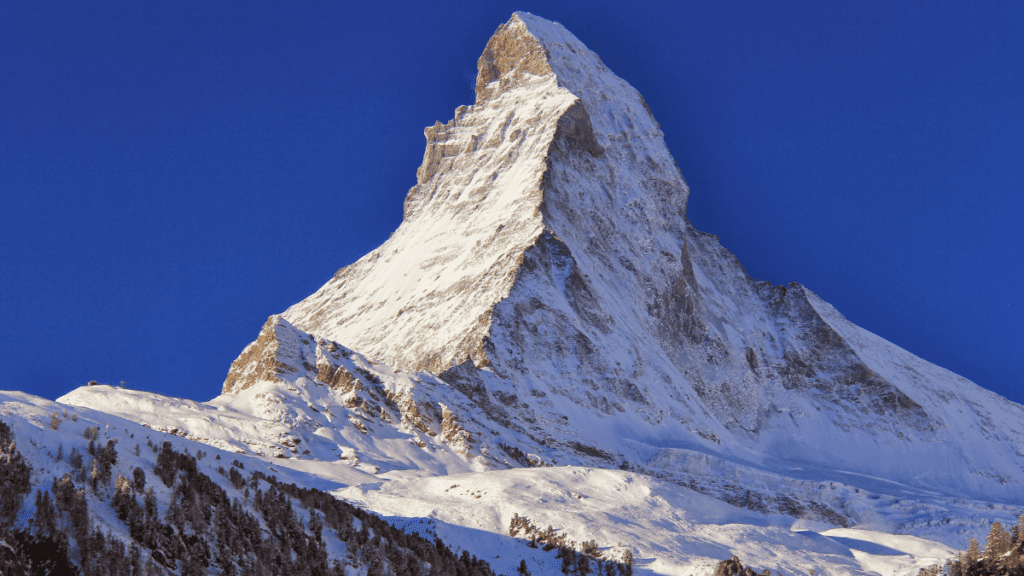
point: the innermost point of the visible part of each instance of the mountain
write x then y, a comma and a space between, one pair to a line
547, 336
545, 268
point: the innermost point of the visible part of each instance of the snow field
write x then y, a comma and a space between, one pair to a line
671, 529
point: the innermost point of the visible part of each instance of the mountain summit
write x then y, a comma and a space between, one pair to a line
545, 269
536, 163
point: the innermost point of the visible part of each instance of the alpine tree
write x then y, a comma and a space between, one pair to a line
973, 554
997, 543
45, 520
15, 474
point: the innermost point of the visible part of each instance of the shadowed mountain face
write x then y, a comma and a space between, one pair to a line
545, 270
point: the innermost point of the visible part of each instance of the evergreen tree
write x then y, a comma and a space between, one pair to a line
733, 567
94, 476
955, 566
166, 463
582, 565
316, 526
75, 458
149, 506
997, 543
567, 560
106, 457
627, 562
78, 514
45, 520
973, 554
138, 479
124, 498
376, 561
15, 474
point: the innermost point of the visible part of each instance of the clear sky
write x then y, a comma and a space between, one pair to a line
173, 173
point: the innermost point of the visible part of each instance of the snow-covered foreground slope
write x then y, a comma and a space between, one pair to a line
668, 528
304, 426
63, 445
671, 529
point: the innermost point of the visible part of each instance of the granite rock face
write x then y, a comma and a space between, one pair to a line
545, 270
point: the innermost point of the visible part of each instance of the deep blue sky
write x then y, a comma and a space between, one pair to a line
172, 175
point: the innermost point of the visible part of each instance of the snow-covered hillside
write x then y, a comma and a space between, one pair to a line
667, 528
672, 530
547, 335
178, 507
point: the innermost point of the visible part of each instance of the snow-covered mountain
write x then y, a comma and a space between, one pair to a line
547, 334
546, 269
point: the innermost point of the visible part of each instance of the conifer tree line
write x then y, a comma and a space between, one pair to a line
1003, 555
266, 527
578, 559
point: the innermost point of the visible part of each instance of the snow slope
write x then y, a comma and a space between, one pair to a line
669, 529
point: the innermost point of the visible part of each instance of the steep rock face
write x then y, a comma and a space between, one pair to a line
546, 270
276, 354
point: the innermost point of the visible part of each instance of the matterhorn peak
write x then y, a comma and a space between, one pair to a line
512, 54
555, 146
528, 46
546, 272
